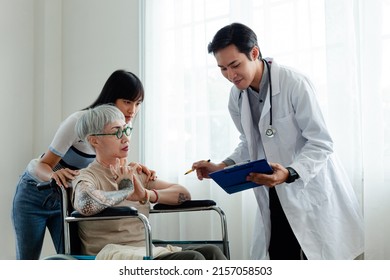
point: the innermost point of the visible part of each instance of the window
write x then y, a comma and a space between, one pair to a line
343, 46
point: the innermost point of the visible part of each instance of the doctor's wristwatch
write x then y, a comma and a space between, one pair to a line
292, 175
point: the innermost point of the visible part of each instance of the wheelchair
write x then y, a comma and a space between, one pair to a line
72, 243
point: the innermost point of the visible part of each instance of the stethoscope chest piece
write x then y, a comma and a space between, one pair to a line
270, 132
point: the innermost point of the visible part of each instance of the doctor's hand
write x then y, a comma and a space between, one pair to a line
279, 176
204, 167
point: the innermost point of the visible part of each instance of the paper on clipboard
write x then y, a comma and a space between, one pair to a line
233, 178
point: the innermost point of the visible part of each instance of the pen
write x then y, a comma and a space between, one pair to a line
189, 171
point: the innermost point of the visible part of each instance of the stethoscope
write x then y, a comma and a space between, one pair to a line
270, 131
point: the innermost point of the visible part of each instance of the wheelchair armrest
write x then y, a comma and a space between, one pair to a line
110, 212
185, 205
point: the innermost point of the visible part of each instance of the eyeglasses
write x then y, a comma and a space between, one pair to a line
119, 133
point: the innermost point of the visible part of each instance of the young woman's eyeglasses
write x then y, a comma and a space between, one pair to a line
119, 133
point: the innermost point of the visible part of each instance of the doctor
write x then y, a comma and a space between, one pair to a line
307, 207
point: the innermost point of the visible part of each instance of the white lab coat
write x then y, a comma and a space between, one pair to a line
321, 205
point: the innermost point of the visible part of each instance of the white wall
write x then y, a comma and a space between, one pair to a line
55, 56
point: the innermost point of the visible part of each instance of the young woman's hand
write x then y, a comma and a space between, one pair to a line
64, 176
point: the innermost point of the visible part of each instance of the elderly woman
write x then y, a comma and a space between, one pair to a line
109, 181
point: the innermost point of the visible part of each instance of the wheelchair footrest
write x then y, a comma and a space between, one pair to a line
84, 257
186, 243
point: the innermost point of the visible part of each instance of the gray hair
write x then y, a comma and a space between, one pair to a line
95, 119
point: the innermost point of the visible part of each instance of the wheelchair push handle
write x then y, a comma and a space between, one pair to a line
47, 185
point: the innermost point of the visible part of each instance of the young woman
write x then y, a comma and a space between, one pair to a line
34, 210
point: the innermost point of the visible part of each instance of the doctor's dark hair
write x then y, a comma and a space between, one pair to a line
237, 34
120, 85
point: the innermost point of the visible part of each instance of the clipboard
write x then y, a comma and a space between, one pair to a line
233, 178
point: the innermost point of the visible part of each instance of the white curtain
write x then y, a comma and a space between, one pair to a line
342, 45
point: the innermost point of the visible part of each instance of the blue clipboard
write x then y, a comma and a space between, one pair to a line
233, 178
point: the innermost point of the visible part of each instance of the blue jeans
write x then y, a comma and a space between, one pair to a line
32, 212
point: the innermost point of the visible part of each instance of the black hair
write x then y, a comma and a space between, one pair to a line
237, 34
121, 84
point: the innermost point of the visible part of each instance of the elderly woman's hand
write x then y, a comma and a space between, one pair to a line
150, 174
140, 193
123, 174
